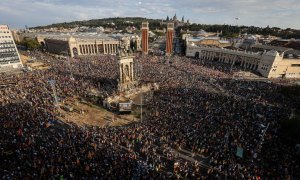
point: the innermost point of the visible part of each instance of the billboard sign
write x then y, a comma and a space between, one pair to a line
123, 107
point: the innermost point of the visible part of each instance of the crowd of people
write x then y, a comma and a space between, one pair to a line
199, 110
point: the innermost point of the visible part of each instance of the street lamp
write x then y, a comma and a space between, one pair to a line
52, 84
141, 95
66, 52
236, 19
69, 63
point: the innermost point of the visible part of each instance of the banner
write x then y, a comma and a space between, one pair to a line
239, 152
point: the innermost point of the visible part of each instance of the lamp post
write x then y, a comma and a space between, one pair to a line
52, 84
236, 19
69, 62
141, 95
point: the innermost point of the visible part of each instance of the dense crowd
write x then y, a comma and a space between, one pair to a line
200, 111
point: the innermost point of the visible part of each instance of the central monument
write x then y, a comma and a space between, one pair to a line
126, 80
128, 88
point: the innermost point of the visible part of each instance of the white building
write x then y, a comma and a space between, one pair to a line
9, 56
270, 63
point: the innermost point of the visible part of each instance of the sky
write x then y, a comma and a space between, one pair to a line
261, 13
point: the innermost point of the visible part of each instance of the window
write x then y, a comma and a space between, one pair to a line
295, 65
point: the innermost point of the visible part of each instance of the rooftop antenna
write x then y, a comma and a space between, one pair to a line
140, 67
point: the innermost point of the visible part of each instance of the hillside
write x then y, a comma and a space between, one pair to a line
121, 23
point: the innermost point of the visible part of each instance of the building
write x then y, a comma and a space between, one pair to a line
145, 37
287, 43
16, 35
135, 42
169, 38
207, 41
247, 41
9, 56
79, 43
176, 21
77, 47
270, 63
285, 62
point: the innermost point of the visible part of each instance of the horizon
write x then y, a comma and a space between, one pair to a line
18, 14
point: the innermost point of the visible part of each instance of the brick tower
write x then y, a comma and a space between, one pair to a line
145, 37
169, 38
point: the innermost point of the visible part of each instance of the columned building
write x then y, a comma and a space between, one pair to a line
270, 64
169, 38
80, 47
82, 44
145, 37
9, 56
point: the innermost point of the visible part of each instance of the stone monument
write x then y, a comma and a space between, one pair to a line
126, 73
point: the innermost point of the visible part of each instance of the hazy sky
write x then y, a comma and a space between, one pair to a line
279, 13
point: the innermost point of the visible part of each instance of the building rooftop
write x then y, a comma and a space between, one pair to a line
268, 47
197, 39
295, 52
76, 35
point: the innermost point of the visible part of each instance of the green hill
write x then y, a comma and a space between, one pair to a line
119, 23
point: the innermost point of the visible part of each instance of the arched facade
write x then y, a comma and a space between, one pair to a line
243, 59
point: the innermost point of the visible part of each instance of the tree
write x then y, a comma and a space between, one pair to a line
31, 44
158, 33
